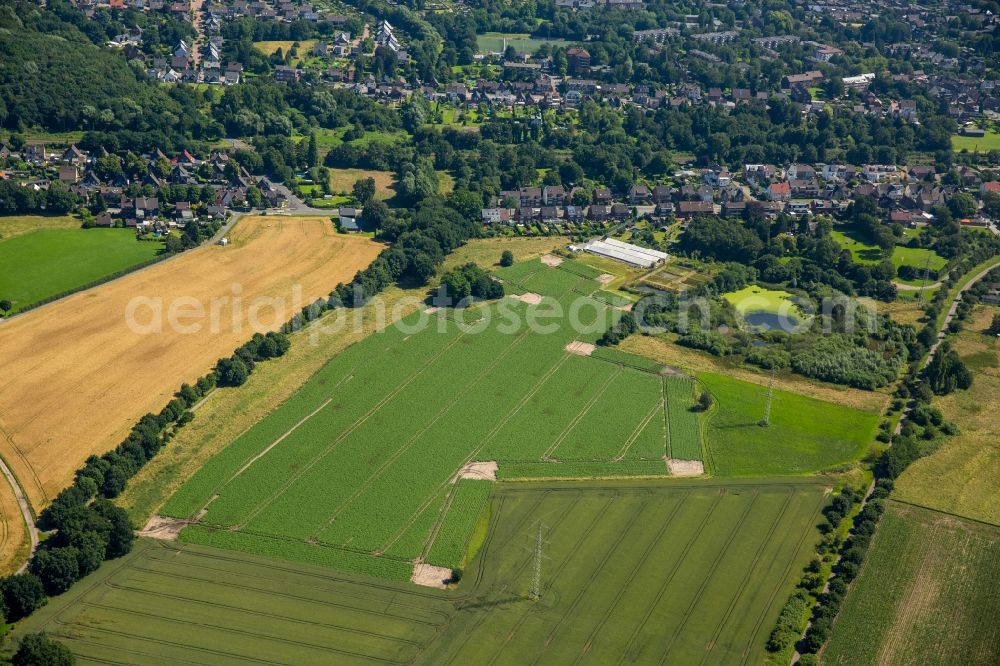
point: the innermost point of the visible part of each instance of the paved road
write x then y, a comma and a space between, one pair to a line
297, 206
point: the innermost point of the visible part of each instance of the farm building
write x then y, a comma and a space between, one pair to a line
630, 254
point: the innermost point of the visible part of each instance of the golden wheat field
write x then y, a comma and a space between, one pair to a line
78, 373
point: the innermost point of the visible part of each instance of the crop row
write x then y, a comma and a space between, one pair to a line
367, 390
611, 423
378, 361
297, 551
685, 431
467, 504
399, 492
340, 477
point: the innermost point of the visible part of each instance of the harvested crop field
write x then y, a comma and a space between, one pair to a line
77, 375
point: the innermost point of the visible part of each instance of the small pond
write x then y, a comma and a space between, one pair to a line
771, 321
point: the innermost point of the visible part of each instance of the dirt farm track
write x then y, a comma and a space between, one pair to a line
76, 375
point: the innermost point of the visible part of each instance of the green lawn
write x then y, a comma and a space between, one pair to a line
973, 144
642, 572
45, 263
769, 306
805, 435
869, 253
493, 42
924, 595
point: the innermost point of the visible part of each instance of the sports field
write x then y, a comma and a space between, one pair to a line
364, 455
924, 595
647, 571
493, 42
52, 261
76, 375
976, 144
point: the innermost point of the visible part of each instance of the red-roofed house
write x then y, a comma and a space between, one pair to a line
779, 191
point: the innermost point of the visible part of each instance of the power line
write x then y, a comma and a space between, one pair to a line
536, 565
766, 421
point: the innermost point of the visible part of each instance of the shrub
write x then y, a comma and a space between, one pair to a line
22, 594
40, 650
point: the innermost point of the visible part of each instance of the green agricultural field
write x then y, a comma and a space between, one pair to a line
924, 595
364, 454
805, 434
974, 144
45, 263
493, 42
643, 571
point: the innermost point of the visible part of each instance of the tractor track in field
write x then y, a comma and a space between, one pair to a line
749, 573
616, 545
561, 437
564, 563
628, 581
300, 472
416, 436
708, 577
630, 644
777, 588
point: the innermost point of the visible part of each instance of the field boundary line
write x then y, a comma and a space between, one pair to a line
669, 579
945, 513
628, 581
299, 473
9, 438
489, 437
710, 575
341, 594
646, 420
575, 421
741, 589
281, 439
777, 588
668, 442
425, 551
24, 505
265, 562
186, 646
415, 437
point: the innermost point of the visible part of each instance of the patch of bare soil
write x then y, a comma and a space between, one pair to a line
626, 308
432, 309
580, 348
605, 278
429, 575
164, 528
685, 467
486, 470
531, 298
551, 260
